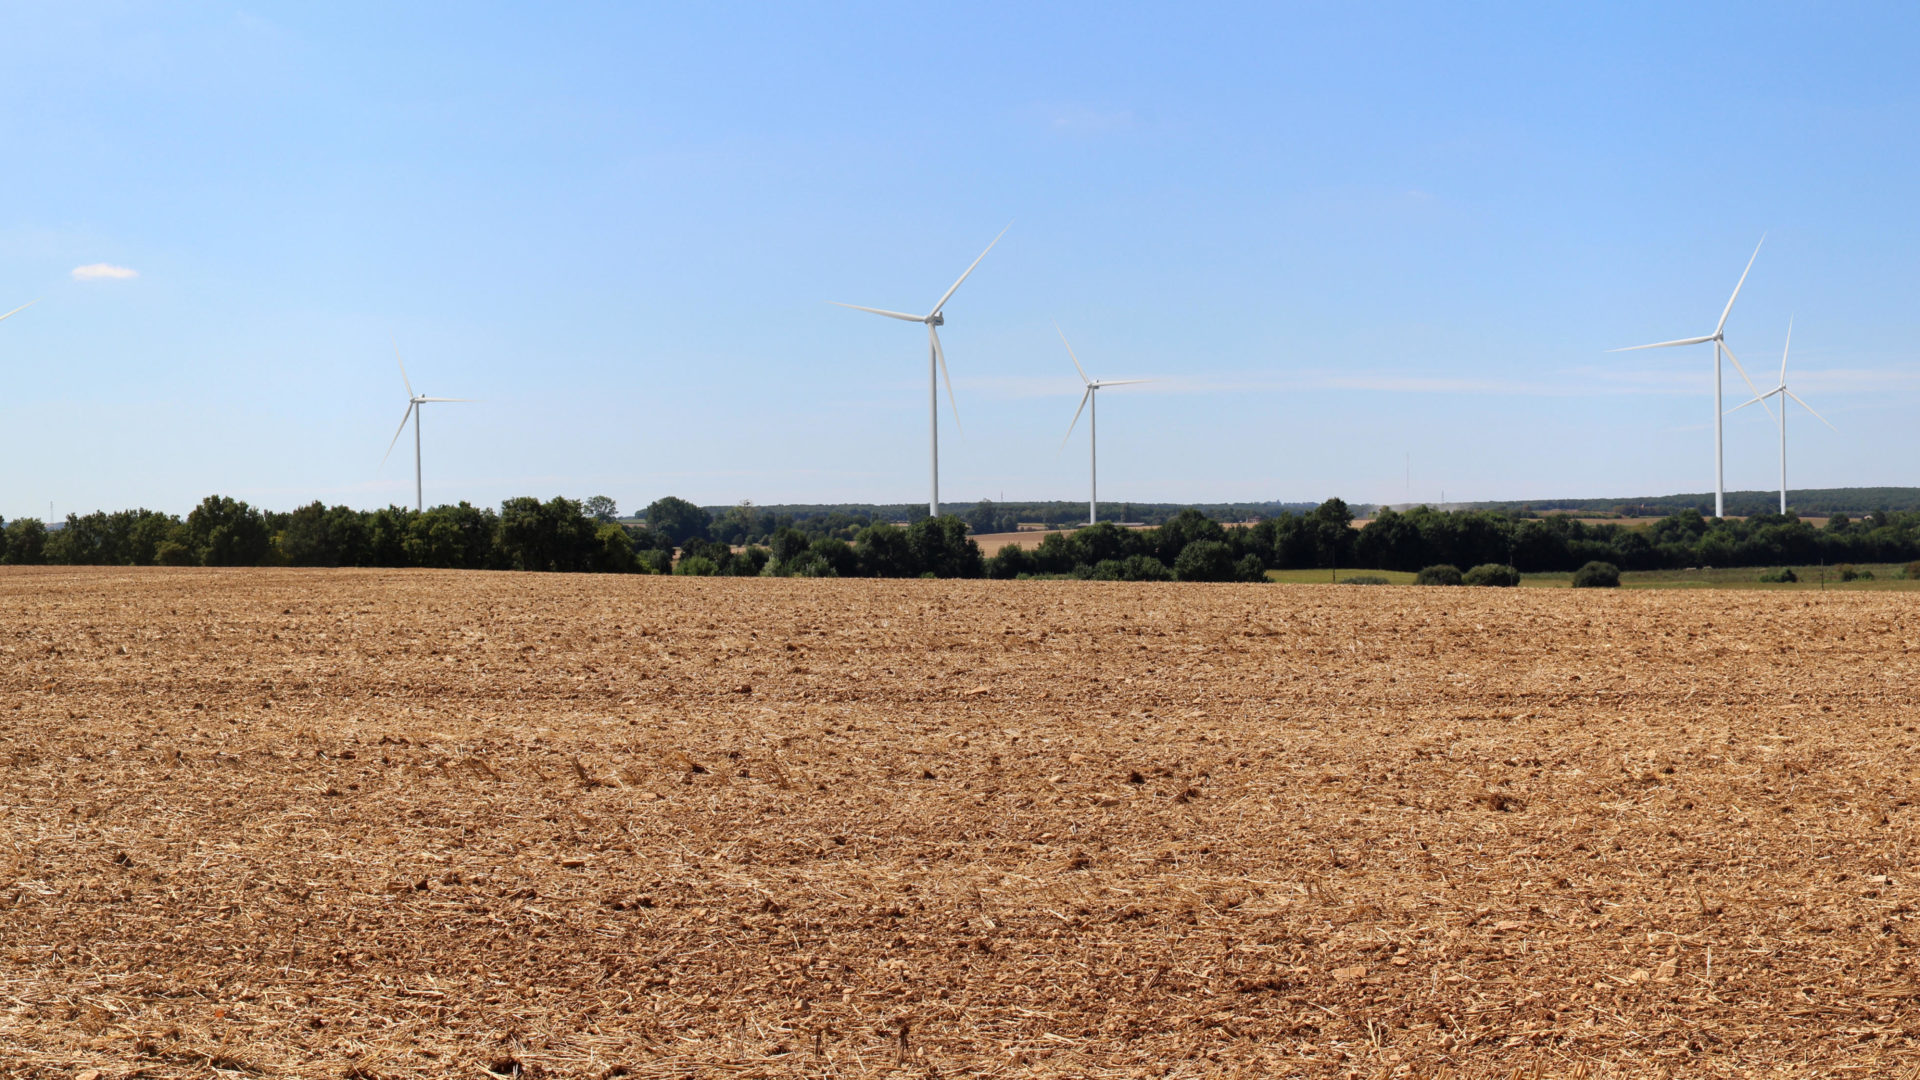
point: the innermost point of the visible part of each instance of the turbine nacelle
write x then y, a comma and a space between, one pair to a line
936, 319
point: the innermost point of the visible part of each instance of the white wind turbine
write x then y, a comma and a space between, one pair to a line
414, 403
1090, 397
1784, 394
936, 370
1719, 339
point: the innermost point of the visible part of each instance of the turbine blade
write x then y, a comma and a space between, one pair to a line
963, 277
1783, 352
1807, 407
1743, 375
881, 311
404, 417
1665, 344
1084, 395
1103, 384
941, 355
465, 399
21, 308
1070, 356
1736, 289
1742, 405
403, 367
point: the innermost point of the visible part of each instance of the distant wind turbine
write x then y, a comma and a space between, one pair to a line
1784, 395
1090, 397
414, 401
936, 370
19, 309
1719, 339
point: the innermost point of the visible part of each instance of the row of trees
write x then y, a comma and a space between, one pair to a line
561, 534
524, 534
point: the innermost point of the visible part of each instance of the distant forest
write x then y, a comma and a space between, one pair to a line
750, 524
679, 537
1807, 502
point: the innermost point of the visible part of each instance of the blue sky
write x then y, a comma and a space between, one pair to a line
1339, 237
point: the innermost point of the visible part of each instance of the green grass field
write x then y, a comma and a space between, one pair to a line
1886, 576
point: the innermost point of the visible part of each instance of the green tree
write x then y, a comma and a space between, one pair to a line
613, 550
223, 531
884, 552
678, 520
941, 547
836, 555
1205, 560
453, 537
551, 535
1010, 562
788, 544
1333, 538
601, 509
26, 542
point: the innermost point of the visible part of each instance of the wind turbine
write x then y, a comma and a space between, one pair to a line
1719, 339
936, 370
1784, 395
1090, 397
414, 401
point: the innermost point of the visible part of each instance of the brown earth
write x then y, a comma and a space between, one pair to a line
387, 824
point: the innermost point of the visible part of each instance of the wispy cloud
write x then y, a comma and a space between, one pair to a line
103, 272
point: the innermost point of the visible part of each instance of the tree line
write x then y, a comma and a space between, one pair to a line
561, 534
750, 524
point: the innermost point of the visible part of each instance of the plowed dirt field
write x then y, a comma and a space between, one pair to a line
393, 824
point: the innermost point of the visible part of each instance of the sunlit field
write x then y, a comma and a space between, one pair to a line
427, 824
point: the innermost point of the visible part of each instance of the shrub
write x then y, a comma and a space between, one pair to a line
1365, 579
1250, 568
749, 561
1912, 571
1597, 575
1205, 560
174, 553
1441, 574
1495, 574
1847, 571
1779, 576
1863, 575
808, 563
696, 566
1010, 562
1131, 568
656, 561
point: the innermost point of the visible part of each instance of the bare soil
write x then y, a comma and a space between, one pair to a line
399, 824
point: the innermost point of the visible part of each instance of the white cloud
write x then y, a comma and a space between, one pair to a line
103, 272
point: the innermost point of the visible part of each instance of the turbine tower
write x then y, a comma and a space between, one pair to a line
1719, 339
936, 370
414, 402
1784, 394
1090, 397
